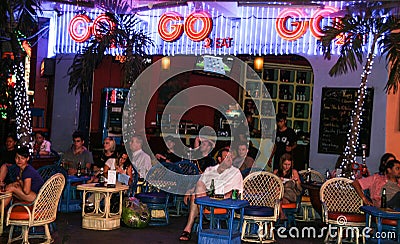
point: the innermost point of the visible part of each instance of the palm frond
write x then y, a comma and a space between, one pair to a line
124, 34
390, 45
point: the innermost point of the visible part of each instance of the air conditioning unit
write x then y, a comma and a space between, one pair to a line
47, 67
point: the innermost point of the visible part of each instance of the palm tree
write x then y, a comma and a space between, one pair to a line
373, 21
19, 19
123, 34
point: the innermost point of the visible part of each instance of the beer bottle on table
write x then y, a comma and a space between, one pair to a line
102, 178
79, 169
383, 198
212, 189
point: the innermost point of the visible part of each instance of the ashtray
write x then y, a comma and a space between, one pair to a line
218, 197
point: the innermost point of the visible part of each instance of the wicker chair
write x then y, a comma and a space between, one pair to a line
264, 192
40, 212
340, 207
156, 199
305, 204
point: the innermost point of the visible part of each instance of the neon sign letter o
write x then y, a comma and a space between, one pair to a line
315, 21
205, 30
96, 24
79, 28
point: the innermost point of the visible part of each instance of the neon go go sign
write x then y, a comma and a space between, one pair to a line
175, 30
300, 27
80, 29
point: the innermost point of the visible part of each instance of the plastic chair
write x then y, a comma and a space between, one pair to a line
305, 203
340, 201
40, 212
156, 199
264, 191
187, 168
48, 171
38, 117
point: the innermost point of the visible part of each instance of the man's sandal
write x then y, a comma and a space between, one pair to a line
185, 236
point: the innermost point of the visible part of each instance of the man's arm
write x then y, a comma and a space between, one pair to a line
360, 192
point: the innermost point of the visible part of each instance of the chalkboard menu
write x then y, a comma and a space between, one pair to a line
337, 105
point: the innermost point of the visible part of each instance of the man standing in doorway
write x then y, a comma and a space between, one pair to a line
285, 140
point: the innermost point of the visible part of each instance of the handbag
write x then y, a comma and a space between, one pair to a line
291, 191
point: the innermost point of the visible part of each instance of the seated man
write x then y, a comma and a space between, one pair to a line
201, 154
242, 161
140, 159
77, 153
375, 183
170, 155
227, 178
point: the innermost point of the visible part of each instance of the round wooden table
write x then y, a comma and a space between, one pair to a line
313, 191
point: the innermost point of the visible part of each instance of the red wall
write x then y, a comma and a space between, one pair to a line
109, 75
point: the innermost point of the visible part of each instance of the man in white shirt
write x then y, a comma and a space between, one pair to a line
140, 159
226, 178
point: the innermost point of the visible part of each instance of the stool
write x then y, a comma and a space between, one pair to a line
307, 209
229, 235
157, 202
289, 209
220, 214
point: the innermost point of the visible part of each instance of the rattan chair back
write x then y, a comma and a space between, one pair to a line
262, 189
339, 195
46, 203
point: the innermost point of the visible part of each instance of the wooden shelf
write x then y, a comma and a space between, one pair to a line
281, 88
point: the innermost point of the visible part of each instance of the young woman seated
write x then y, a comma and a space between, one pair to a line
124, 166
28, 183
290, 178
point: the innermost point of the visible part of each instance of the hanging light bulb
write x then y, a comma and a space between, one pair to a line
258, 63
165, 63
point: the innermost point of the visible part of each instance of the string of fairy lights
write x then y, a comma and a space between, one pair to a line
129, 115
353, 142
23, 115
21, 100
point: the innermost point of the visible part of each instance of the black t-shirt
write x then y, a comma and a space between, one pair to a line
7, 157
204, 162
283, 138
253, 152
172, 157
